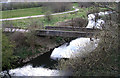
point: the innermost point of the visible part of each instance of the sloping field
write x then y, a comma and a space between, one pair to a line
22, 12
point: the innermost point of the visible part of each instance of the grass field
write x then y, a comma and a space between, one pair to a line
24, 23
22, 12
41, 21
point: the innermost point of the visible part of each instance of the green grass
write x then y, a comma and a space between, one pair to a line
22, 12
103, 8
24, 52
24, 23
75, 4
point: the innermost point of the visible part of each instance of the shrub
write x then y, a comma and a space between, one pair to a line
31, 35
75, 22
48, 16
31, 40
103, 61
7, 52
35, 24
7, 24
57, 6
93, 10
61, 7
86, 4
19, 39
20, 5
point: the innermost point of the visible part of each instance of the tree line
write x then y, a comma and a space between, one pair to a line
53, 6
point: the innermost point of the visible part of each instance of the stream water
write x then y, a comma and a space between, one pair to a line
44, 64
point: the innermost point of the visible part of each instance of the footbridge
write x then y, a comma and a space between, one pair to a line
62, 31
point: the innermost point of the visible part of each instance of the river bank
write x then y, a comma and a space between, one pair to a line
28, 47
91, 25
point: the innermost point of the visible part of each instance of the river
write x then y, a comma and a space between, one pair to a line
44, 64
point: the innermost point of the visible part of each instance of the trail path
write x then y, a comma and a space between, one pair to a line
35, 16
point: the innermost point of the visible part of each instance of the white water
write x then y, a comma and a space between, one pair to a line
34, 71
37, 71
98, 24
80, 46
77, 47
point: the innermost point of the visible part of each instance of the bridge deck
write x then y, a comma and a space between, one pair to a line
70, 28
64, 33
58, 31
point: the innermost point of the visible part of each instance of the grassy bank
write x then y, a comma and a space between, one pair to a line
53, 7
22, 12
20, 48
25, 23
103, 61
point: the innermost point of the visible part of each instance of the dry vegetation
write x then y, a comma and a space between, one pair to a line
103, 61
78, 22
57, 6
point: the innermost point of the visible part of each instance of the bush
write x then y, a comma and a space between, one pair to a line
61, 7
31, 40
48, 16
93, 10
23, 52
31, 35
19, 39
86, 4
35, 24
57, 6
7, 52
75, 22
53, 6
103, 61
20, 5
7, 24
